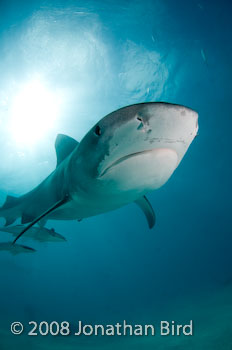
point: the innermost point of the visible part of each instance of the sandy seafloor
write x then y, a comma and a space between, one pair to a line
211, 313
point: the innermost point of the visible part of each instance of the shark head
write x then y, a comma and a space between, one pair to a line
136, 148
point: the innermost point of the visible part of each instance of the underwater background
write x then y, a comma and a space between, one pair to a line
63, 66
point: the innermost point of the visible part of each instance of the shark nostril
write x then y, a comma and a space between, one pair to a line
140, 126
141, 123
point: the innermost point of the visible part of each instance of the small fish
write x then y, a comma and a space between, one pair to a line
40, 234
15, 249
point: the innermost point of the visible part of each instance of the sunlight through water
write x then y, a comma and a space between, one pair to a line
33, 113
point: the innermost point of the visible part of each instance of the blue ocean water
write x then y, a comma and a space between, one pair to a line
63, 66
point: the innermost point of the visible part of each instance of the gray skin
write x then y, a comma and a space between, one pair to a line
128, 153
15, 249
40, 234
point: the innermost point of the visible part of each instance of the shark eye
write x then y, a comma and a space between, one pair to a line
97, 130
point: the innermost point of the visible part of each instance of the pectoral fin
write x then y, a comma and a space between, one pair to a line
147, 209
55, 206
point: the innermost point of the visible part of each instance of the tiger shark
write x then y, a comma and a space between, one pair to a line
127, 154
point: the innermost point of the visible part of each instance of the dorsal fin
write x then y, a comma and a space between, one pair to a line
64, 145
10, 202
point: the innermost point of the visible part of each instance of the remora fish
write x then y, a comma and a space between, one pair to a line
128, 153
15, 248
41, 234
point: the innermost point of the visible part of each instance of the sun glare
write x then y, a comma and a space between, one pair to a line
34, 111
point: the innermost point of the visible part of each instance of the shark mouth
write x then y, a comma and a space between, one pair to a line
122, 159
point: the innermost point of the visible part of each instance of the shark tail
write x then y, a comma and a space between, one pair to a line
9, 211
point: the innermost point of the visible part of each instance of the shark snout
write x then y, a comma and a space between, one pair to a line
197, 124
167, 118
143, 125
